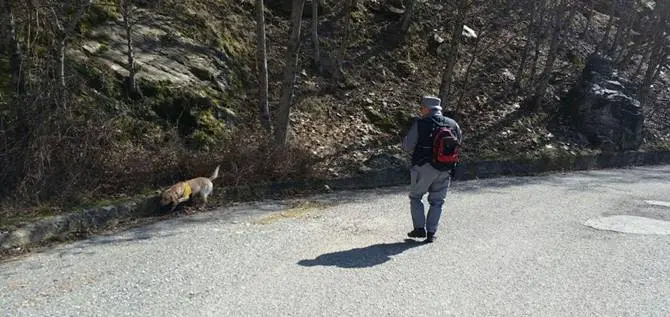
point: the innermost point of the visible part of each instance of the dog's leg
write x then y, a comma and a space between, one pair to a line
207, 191
203, 197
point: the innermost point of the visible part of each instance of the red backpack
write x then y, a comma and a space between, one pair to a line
446, 147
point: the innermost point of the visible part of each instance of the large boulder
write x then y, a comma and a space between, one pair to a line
604, 108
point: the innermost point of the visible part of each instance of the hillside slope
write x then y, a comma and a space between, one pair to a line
199, 102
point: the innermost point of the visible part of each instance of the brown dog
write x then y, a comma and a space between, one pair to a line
182, 191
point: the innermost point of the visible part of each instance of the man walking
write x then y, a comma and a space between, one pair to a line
427, 174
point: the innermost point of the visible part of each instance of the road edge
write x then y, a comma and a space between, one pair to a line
95, 220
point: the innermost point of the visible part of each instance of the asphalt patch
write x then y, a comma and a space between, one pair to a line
630, 224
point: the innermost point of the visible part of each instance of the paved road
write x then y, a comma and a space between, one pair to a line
507, 247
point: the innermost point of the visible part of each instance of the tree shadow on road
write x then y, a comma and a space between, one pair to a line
362, 257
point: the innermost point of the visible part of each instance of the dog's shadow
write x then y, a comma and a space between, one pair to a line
362, 257
186, 207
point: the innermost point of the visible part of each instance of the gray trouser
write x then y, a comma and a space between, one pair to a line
426, 178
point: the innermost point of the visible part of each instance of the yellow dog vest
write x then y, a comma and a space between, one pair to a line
187, 190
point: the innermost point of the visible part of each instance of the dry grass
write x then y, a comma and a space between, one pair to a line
301, 210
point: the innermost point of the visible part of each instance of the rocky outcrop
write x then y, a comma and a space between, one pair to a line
188, 78
162, 53
604, 108
437, 45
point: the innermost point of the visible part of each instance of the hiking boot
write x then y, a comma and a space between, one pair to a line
417, 233
430, 237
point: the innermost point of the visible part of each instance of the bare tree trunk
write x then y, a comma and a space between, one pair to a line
61, 60
624, 61
625, 38
128, 25
62, 42
662, 62
589, 18
315, 34
608, 29
407, 18
347, 22
14, 50
539, 40
349, 7
658, 51
262, 62
4, 146
289, 74
622, 29
560, 24
64, 34
526, 48
655, 59
468, 72
452, 59
639, 46
638, 69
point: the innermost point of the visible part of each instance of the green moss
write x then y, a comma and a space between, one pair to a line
99, 13
103, 48
235, 100
210, 130
191, 110
37, 213
659, 145
577, 61
233, 47
169, 39
131, 129
313, 106
405, 119
357, 15
158, 90
99, 77
14, 220
556, 158
385, 122
95, 204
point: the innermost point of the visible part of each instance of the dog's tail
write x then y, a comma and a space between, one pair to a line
215, 175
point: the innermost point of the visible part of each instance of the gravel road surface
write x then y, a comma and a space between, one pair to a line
579, 244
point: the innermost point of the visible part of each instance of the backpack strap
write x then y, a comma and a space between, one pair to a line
438, 123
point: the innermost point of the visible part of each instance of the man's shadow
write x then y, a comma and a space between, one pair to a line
362, 257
